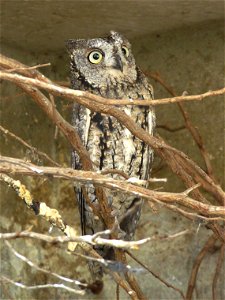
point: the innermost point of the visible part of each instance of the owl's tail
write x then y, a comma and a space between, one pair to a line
96, 268
97, 273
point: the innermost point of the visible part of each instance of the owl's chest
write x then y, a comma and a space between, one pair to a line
113, 146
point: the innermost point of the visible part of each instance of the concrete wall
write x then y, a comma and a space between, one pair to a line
189, 58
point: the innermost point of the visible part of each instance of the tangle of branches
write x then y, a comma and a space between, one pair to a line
193, 203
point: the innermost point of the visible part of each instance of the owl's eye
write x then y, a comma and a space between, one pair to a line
125, 51
95, 57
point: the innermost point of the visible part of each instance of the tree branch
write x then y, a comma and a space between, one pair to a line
219, 266
73, 137
193, 130
55, 219
178, 161
41, 286
192, 280
94, 239
62, 91
33, 149
18, 166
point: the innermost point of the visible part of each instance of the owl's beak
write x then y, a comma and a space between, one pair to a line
118, 63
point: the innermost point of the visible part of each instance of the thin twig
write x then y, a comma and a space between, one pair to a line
155, 275
192, 280
118, 279
33, 149
117, 292
41, 286
169, 128
193, 130
219, 267
33, 265
172, 236
13, 96
28, 68
112, 265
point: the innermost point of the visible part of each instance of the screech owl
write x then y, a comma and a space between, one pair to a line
106, 67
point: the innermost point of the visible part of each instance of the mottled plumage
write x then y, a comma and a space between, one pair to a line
106, 67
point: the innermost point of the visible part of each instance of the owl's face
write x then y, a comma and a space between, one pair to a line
103, 61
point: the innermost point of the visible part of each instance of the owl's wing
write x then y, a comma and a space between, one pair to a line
151, 129
78, 121
145, 91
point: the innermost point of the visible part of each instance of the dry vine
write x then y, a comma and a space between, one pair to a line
194, 206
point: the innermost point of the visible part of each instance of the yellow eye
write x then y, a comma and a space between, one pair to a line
125, 51
95, 57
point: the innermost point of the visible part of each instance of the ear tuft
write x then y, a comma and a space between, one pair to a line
70, 45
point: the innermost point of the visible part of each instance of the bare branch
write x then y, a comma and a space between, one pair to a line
169, 128
118, 279
219, 267
156, 275
33, 265
117, 292
33, 149
18, 166
112, 265
181, 165
10, 63
28, 68
193, 130
42, 286
192, 280
53, 216
90, 239
178, 161
77, 93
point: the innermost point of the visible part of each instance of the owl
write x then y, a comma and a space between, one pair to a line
106, 67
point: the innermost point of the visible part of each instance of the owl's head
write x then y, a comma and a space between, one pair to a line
103, 62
